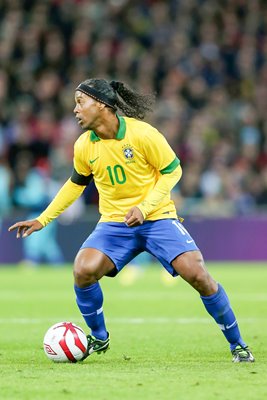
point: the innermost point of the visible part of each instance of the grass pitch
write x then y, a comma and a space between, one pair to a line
163, 343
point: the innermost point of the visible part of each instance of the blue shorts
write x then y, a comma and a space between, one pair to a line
165, 239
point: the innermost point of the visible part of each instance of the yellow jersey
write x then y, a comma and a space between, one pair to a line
125, 169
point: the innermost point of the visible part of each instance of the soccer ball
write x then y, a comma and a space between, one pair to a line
65, 342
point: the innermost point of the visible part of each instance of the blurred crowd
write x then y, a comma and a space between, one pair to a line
205, 59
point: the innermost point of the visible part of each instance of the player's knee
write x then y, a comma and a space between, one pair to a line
191, 267
203, 282
83, 277
198, 278
84, 272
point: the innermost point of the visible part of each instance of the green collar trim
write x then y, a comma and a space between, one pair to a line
94, 137
119, 135
122, 128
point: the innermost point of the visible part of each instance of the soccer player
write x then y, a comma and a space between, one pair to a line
134, 170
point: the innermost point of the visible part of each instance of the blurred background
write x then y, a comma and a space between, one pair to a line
207, 62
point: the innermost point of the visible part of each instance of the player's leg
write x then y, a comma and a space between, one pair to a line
89, 267
105, 252
190, 266
177, 251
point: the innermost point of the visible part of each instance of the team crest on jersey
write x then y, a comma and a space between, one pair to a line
128, 152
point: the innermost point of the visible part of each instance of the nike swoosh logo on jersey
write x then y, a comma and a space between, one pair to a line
189, 241
92, 161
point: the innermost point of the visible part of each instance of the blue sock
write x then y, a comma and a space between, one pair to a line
218, 306
90, 302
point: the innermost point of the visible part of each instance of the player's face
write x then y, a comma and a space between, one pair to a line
86, 110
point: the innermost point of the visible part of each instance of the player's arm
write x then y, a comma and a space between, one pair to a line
69, 192
164, 185
160, 155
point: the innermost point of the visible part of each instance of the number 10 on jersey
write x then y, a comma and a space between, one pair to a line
116, 174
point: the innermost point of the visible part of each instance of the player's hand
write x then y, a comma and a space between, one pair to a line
26, 228
134, 217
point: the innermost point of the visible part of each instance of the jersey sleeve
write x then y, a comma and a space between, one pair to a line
162, 188
63, 199
81, 167
158, 152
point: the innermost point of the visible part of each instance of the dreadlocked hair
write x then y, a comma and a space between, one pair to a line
131, 103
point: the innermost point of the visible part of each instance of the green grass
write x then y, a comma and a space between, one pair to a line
163, 343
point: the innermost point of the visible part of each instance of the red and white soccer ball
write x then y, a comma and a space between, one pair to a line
65, 342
